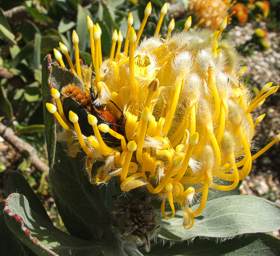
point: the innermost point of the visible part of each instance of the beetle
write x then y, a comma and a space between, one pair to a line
82, 103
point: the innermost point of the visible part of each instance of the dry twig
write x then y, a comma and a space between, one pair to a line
5, 73
16, 12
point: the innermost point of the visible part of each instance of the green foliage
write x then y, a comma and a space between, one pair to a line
9, 243
50, 134
274, 16
254, 245
38, 234
225, 217
28, 220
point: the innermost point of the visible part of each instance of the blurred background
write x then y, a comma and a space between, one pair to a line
31, 29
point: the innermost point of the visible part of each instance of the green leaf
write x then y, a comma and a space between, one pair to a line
106, 38
38, 75
9, 245
114, 3
252, 245
5, 29
50, 134
37, 50
158, 3
3, 20
82, 27
30, 129
6, 106
81, 204
31, 98
107, 12
53, 75
29, 222
25, 208
14, 182
6, 34
26, 53
28, 29
24, 166
60, 77
38, 234
213, 194
32, 92
108, 16
2, 167
136, 19
38, 16
65, 25
226, 217
48, 43
99, 12
86, 57
14, 50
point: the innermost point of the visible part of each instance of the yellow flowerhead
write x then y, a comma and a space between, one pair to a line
168, 114
210, 13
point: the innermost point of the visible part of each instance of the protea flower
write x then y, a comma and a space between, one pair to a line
210, 13
241, 12
168, 114
259, 10
264, 6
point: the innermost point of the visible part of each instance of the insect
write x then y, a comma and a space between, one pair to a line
83, 103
